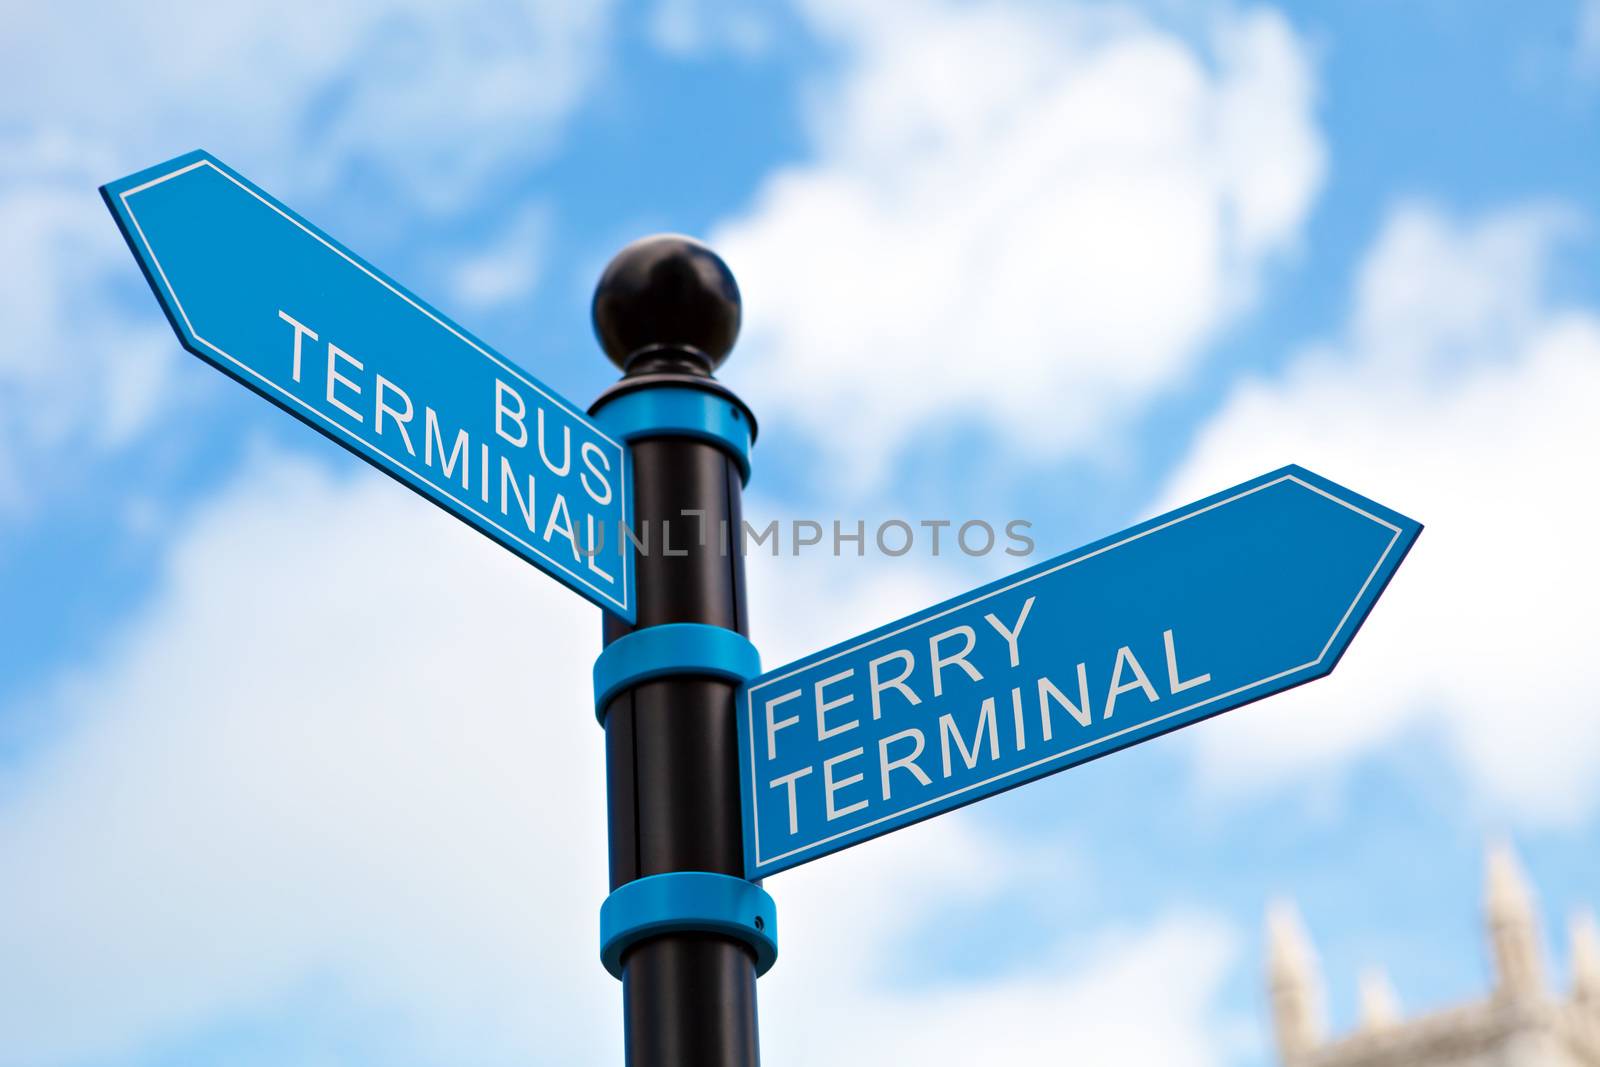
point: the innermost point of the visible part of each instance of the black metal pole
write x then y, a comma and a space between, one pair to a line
666, 311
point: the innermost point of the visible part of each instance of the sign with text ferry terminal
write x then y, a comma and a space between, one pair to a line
1233, 598
267, 298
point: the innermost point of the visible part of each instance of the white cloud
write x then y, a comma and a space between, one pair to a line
74, 366
303, 91
1144, 999
349, 744
348, 741
1587, 39
802, 603
1056, 208
689, 29
436, 98
1463, 397
509, 268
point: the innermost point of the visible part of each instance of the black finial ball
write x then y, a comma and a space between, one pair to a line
667, 296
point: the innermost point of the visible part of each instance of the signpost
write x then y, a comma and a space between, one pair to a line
1233, 598
272, 301
715, 777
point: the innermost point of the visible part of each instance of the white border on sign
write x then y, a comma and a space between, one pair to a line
852, 831
622, 465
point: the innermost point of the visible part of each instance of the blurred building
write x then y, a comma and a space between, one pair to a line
1524, 1021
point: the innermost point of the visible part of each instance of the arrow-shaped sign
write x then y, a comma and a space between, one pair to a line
1236, 597
267, 298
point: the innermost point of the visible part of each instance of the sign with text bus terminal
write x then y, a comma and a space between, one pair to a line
270, 300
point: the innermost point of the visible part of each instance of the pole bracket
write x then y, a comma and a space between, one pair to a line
679, 411
688, 902
672, 649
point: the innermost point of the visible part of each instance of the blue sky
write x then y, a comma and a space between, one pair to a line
294, 769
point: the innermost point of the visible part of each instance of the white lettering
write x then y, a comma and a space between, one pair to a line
824, 706
431, 437
1016, 718
564, 527
948, 732
508, 480
1012, 634
830, 786
300, 330
589, 452
1080, 711
909, 762
878, 685
1173, 685
335, 354
400, 417
1118, 686
940, 662
502, 391
566, 448
774, 727
594, 549
789, 781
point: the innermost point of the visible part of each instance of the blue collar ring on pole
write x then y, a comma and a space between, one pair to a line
673, 649
680, 411
688, 902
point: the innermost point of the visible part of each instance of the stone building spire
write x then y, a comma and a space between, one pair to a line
1513, 926
1380, 1006
1294, 983
1586, 960
1523, 1023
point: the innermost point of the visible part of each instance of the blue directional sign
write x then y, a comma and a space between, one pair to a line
1236, 597
267, 298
